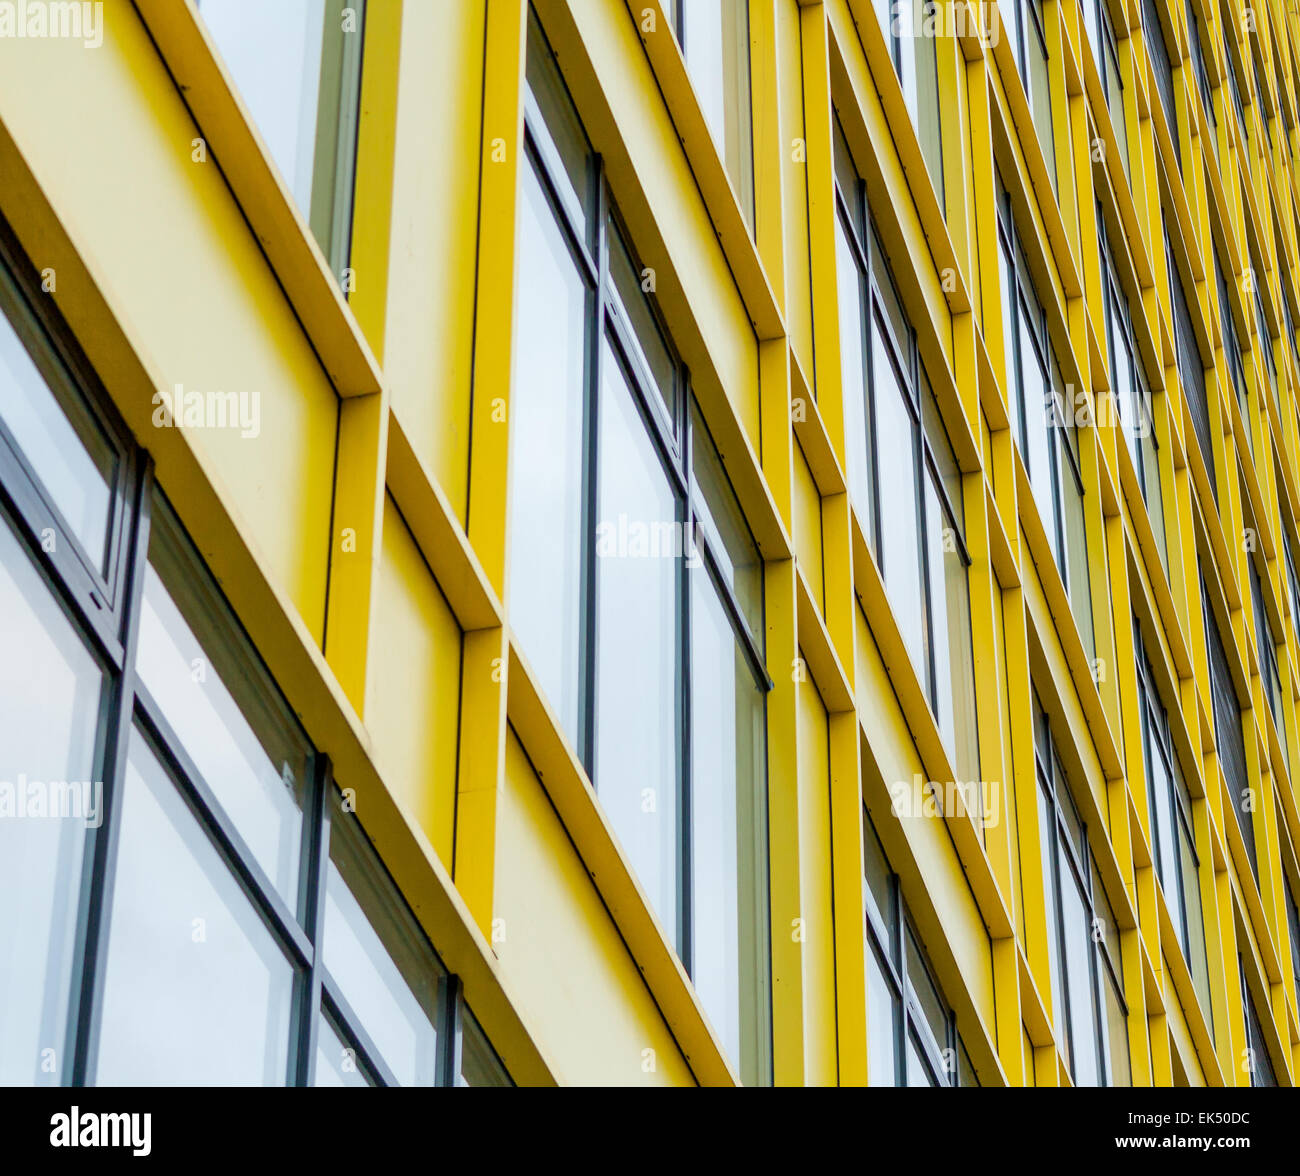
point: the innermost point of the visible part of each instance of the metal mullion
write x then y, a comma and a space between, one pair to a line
594, 343
316, 877
536, 154
228, 842
450, 1027
685, 817
99, 867
346, 1019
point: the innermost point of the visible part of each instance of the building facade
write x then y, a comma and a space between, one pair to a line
649, 542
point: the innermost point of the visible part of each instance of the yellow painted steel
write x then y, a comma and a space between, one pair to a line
362, 534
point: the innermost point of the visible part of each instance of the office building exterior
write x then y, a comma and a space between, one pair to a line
649, 542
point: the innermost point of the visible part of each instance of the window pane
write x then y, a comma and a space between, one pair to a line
336, 1063
880, 885
882, 1024
1051, 898
918, 1073
1037, 397
479, 1064
716, 41
1076, 548
297, 66
50, 692
1078, 950
196, 990
1040, 94
728, 835
730, 539
221, 705
927, 995
919, 76
853, 380
546, 454
1117, 1034
1195, 936
54, 430
380, 960
896, 462
636, 712
561, 138
1010, 338
652, 350
950, 637
1227, 730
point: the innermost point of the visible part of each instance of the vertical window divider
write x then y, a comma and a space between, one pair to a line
99, 871
685, 863
450, 1030
595, 342
307, 1006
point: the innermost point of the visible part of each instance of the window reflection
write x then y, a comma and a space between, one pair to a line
196, 990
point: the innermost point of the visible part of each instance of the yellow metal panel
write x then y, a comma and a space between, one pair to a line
413, 692
555, 938
429, 313
815, 932
187, 280
808, 527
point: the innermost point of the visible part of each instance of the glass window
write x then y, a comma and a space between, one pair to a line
1089, 1012
910, 28
379, 960
911, 1031
196, 989
546, 477
1131, 392
884, 1015
1191, 371
1198, 61
1043, 410
1154, 37
730, 540
728, 831
297, 66
1227, 729
173, 954
51, 689
715, 42
1257, 1059
896, 454
1025, 21
210, 694
48, 422
636, 591
1232, 348
1266, 648
1177, 864
851, 276
1108, 64
645, 626
336, 1063
900, 459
